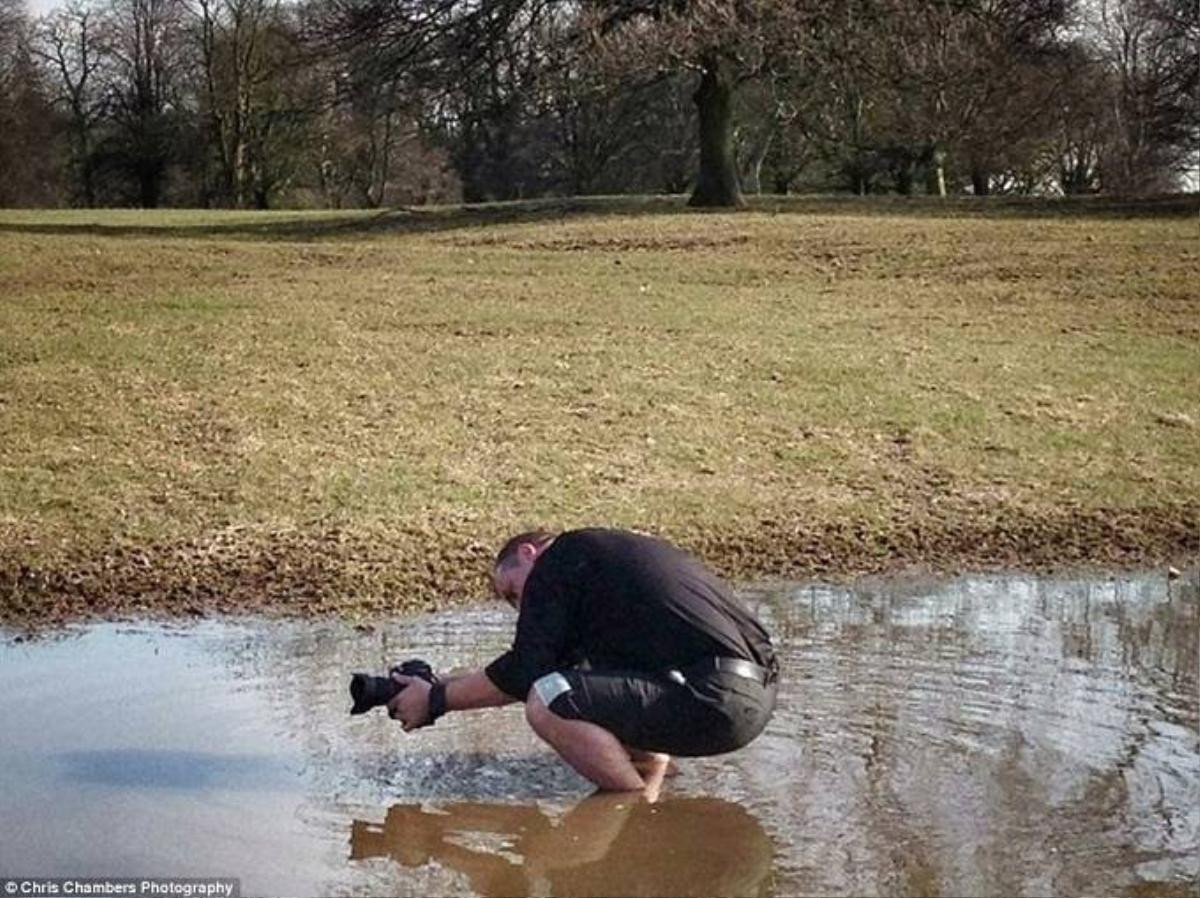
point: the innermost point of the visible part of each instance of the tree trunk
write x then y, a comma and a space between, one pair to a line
758, 158
936, 182
148, 184
89, 180
243, 158
905, 171
717, 181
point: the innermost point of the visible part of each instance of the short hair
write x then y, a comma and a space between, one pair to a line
508, 551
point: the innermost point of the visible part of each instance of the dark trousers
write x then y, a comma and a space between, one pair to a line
710, 713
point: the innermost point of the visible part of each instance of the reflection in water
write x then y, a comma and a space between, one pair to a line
605, 845
978, 736
998, 735
166, 769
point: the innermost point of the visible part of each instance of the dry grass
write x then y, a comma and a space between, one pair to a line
216, 410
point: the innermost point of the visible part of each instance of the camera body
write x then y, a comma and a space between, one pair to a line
369, 691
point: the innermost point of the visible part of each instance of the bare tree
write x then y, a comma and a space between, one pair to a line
489, 47
27, 121
247, 64
1150, 50
370, 102
13, 24
71, 42
584, 122
727, 44
950, 71
375, 147
146, 56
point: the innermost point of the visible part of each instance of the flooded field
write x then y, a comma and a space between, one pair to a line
978, 736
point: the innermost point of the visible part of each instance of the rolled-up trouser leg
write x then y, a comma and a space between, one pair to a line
710, 715
590, 749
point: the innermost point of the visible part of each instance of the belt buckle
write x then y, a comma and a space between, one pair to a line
741, 667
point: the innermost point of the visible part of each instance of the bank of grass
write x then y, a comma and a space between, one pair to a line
225, 411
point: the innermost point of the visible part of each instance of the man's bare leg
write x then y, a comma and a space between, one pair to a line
648, 762
593, 751
653, 771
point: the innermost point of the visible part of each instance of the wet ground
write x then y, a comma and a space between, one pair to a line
980, 736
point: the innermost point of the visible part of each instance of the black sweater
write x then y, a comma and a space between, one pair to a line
623, 602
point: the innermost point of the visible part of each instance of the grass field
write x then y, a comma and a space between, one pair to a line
346, 411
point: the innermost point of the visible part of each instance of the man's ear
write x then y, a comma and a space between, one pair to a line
527, 551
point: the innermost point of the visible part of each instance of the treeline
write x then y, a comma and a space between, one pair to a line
328, 103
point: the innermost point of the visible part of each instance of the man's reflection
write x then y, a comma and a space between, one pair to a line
605, 845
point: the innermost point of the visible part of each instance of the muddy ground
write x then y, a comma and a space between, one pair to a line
305, 572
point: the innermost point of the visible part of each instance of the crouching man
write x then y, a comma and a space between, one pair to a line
627, 651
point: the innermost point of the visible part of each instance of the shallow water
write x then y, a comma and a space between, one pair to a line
986, 735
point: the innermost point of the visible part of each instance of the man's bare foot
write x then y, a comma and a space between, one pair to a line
649, 763
653, 770
670, 768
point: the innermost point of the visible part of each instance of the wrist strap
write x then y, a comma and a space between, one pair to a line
437, 701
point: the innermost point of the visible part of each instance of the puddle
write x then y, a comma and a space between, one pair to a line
981, 736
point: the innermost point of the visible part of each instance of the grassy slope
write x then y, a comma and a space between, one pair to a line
222, 409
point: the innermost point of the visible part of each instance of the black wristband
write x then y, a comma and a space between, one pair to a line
437, 701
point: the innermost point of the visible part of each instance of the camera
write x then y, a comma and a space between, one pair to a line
370, 692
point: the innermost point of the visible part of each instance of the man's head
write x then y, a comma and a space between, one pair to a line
514, 561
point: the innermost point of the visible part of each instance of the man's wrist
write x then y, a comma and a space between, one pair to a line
437, 701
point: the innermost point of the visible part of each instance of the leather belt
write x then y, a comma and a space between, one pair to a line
737, 666
741, 668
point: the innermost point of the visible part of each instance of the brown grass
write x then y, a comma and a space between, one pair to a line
218, 411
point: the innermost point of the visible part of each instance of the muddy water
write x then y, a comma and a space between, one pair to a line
997, 735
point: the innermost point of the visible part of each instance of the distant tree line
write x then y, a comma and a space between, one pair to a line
329, 103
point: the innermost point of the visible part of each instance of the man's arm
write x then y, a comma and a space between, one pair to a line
463, 693
474, 690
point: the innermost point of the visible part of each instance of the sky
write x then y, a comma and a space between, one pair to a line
37, 7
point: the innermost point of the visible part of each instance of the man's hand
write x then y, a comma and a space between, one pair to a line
411, 704
471, 690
